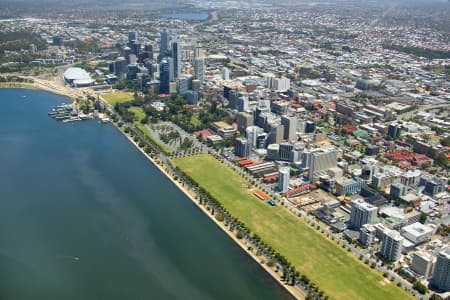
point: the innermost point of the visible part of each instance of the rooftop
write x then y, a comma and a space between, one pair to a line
417, 229
76, 74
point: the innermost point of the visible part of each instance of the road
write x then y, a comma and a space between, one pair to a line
366, 254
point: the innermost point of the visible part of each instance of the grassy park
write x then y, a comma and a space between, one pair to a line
139, 114
118, 97
340, 274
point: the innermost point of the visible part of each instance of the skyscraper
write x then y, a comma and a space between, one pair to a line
182, 85
199, 68
391, 245
164, 44
441, 274
362, 213
283, 179
198, 52
290, 128
164, 77
171, 68
318, 161
132, 36
251, 133
225, 73
176, 56
275, 133
242, 148
242, 104
120, 66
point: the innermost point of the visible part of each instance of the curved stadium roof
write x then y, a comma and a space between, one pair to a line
72, 74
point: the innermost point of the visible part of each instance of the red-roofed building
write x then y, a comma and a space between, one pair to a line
204, 133
348, 129
331, 105
261, 195
421, 160
406, 155
306, 188
317, 106
270, 179
406, 165
163, 95
400, 155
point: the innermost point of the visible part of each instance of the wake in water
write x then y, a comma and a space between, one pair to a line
75, 258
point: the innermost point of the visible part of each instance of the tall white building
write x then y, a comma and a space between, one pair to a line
283, 179
277, 84
225, 73
318, 161
362, 213
251, 133
391, 245
199, 69
198, 52
441, 274
281, 84
171, 68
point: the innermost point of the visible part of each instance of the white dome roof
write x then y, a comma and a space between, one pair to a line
72, 74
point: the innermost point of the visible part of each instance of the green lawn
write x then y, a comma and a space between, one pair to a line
340, 274
138, 112
118, 97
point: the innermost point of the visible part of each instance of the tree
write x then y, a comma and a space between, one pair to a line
446, 141
441, 160
423, 218
435, 297
309, 297
418, 286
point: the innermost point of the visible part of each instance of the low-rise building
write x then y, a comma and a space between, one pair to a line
349, 186
417, 233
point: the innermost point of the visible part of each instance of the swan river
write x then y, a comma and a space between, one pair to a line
84, 215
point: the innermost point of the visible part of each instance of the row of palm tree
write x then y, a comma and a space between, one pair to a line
289, 273
273, 259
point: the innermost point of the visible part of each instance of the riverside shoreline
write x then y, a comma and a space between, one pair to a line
42, 85
293, 291
64, 91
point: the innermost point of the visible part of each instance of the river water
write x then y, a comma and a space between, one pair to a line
84, 215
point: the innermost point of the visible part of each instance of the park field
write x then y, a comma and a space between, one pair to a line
117, 97
139, 114
338, 273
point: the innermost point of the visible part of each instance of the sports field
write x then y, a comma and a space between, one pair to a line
338, 273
